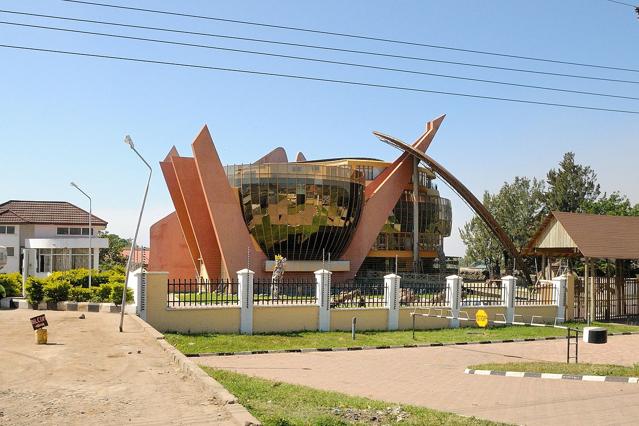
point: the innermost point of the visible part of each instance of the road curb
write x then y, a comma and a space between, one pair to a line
364, 348
239, 414
553, 376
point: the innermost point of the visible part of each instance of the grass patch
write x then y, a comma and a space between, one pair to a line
563, 368
276, 403
214, 342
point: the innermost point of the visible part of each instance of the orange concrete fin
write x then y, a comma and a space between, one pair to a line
172, 153
300, 157
422, 143
278, 155
199, 218
382, 197
233, 236
180, 208
171, 252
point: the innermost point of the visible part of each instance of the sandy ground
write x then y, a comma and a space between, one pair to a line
89, 373
434, 377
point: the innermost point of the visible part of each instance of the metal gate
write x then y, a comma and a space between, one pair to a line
615, 298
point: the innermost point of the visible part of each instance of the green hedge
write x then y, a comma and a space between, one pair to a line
35, 290
12, 284
3, 292
56, 291
73, 285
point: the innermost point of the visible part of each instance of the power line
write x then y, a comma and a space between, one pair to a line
302, 58
355, 36
320, 47
618, 2
318, 79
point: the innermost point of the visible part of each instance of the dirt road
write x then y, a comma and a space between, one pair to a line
89, 373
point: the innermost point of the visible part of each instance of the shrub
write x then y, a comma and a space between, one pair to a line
116, 293
101, 293
3, 292
56, 291
12, 284
35, 290
80, 294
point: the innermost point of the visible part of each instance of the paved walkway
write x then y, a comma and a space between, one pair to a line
89, 373
434, 377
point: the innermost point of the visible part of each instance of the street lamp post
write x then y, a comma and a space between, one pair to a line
129, 141
73, 184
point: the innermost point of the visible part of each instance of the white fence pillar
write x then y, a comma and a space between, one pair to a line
392, 297
508, 288
323, 294
454, 295
559, 285
245, 296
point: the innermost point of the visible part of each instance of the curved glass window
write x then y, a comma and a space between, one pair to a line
435, 222
299, 210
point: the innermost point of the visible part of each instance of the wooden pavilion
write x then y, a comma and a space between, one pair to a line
589, 237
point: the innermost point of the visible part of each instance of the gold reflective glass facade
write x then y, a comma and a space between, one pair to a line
435, 222
299, 210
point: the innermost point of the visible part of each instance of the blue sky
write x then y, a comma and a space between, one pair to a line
64, 118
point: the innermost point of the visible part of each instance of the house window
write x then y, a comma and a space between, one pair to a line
63, 231
7, 229
11, 251
75, 231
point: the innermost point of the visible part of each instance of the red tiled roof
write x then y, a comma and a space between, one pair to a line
45, 213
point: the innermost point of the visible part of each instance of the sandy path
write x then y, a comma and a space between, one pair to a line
89, 373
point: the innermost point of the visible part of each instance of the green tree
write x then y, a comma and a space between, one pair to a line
519, 208
571, 186
616, 204
112, 256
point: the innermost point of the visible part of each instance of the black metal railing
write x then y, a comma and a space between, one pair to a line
482, 293
424, 293
358, 294
286, 292
541, 293
201, 292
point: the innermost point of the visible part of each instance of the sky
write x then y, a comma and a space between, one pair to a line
63, 118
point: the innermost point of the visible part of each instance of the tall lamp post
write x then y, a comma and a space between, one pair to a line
73, 184
129, 141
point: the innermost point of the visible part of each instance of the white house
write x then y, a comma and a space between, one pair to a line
57, 230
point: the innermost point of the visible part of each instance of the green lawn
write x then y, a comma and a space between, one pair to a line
276, 403
211, 342
563, 368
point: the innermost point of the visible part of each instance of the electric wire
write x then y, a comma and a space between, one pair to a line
302, 58
317, 79
354, 36
321, 47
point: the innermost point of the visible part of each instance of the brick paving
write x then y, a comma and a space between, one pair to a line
434, 377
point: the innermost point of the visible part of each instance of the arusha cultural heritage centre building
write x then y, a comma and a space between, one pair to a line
352, 215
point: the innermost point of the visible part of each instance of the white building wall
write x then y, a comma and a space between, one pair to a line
12, 240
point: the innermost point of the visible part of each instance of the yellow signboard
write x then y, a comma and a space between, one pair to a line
481, 318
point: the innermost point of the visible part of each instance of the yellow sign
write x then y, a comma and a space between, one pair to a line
481, 318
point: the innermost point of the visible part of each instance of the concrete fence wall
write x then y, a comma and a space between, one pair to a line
244, 317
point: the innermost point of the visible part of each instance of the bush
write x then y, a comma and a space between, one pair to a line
79, 294
12, 284
35, 290
3, 292
101, 293
56, 291
116, 294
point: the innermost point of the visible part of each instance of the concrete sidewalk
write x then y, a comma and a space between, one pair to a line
434, 377
89, 373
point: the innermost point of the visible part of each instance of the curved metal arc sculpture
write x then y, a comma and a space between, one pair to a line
463, 192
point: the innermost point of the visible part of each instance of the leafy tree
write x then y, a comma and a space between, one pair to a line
571, 186
616, 204
518, 207
481, 245
112, 256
